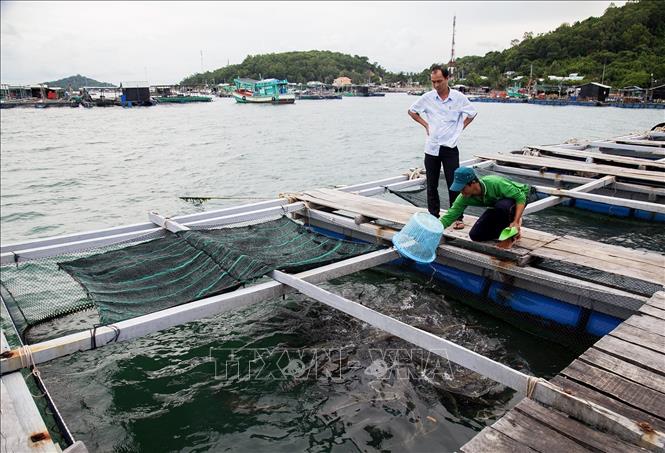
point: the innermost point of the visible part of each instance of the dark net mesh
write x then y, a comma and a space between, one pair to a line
149, 276
630, 284
38, 290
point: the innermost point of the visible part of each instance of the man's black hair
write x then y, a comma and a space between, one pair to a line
438, 67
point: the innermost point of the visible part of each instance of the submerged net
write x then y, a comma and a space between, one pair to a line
161, 273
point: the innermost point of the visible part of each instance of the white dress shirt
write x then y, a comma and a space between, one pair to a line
445, 118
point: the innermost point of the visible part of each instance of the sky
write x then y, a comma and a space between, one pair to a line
164, 42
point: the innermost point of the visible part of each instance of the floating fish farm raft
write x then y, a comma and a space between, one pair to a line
151, 276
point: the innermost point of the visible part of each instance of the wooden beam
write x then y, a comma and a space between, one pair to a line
86, 244
148, 227
555, 200
181, 314
138, 227
166, 223
580, 167
634, 161
21, 419
645, 150
498, 372
629, 187
614, 201
543, 391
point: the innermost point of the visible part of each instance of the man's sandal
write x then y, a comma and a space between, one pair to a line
458, 225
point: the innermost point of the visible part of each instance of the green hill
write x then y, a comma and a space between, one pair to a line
628, 41
77, 81
298, 67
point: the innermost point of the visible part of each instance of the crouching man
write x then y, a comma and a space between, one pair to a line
505, 199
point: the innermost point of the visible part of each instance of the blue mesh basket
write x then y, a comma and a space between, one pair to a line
419, 238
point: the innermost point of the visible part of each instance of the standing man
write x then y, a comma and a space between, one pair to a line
447, 113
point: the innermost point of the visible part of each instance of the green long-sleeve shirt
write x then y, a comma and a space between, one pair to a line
494, 189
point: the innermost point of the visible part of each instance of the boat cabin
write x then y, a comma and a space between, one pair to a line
265, 87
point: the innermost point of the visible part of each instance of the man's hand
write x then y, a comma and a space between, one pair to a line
418, 119
517, 223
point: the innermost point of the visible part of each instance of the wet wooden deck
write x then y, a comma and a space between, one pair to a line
544, 163
623, 372
596, 157
640, 265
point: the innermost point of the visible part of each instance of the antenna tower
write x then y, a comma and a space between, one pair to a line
451, 63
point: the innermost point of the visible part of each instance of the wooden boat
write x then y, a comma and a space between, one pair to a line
181, 99
266, 91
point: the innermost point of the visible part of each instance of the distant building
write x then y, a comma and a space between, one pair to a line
658, 92
137, 93
575, 77
634, 92
342, 81
594, 91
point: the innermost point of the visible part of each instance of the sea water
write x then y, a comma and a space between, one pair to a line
282, 375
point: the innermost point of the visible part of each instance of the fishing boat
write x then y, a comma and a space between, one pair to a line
181, 99
265, 91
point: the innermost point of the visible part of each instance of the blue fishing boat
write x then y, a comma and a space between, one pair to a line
266, 91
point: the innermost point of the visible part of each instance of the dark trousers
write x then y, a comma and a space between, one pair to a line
449, 158
489, 225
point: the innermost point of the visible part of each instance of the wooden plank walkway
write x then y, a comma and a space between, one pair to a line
640, 265
542, 163
633, 141
22, 425
644, 164
624, 372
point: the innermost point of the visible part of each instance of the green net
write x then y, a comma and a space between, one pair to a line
161, 273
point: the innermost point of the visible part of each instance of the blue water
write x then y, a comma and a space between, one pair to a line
69, 170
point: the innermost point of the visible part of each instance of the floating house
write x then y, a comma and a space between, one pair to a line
135, 93
658, 93
101, 96
594, 91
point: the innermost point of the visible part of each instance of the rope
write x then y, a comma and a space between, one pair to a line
531, 385
28, 361
93, 335
413, 173
25, 354
433, 274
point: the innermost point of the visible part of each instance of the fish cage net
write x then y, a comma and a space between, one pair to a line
163, 270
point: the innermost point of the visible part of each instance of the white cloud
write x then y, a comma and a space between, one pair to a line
116, 41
